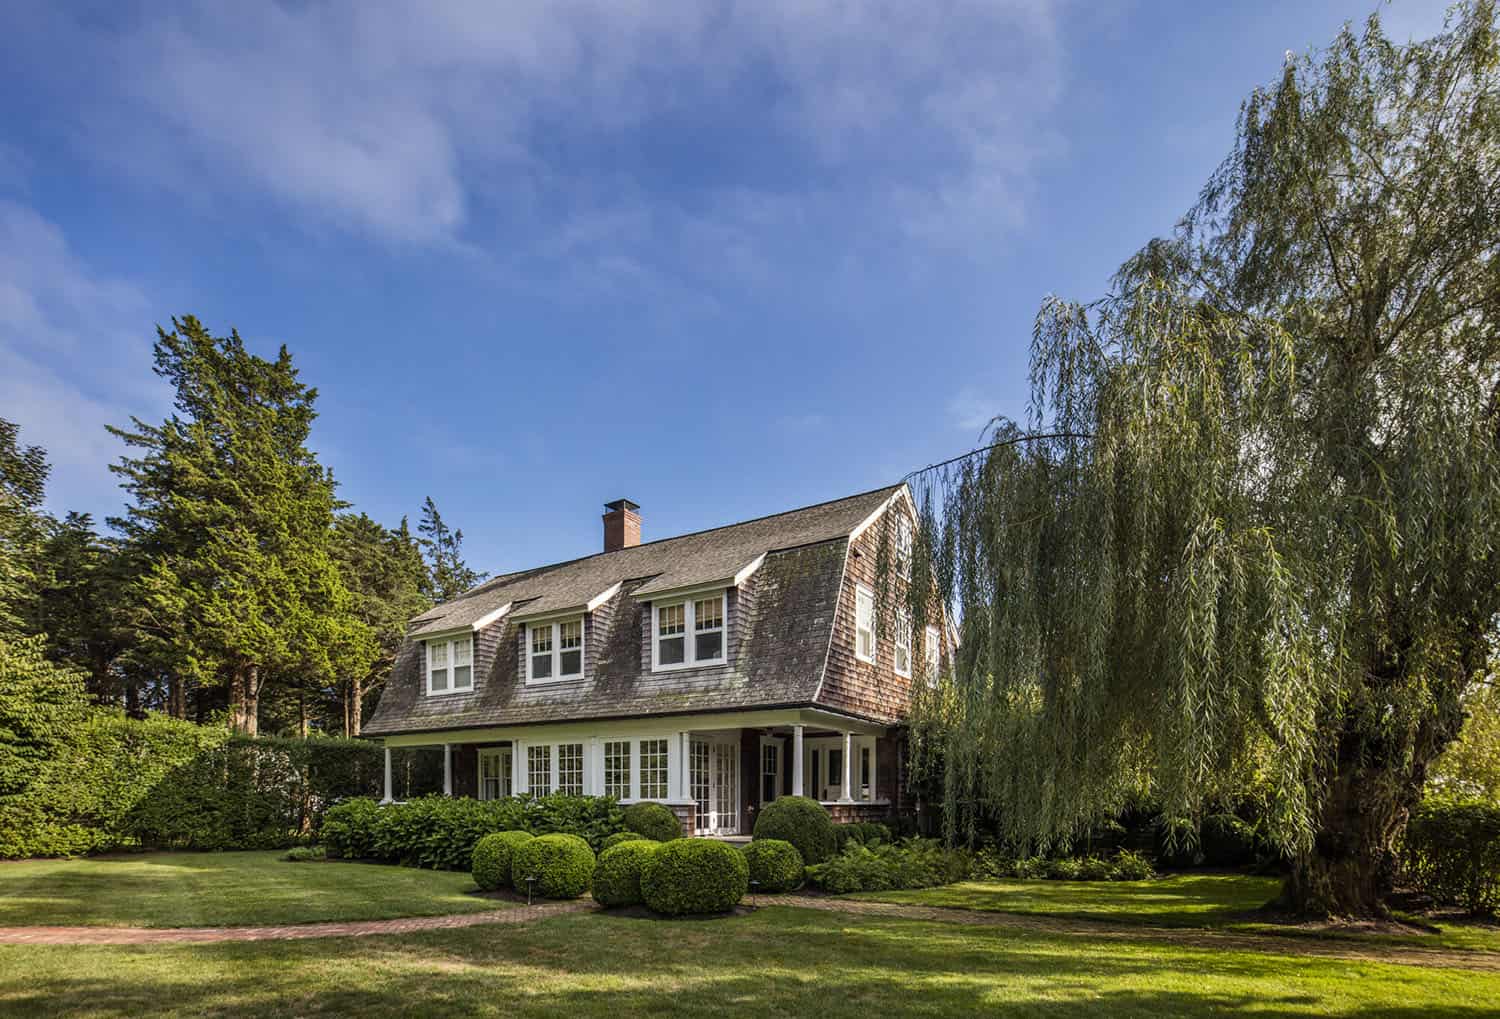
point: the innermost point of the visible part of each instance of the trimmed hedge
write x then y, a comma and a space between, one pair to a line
653, 820
563, 866
621, 837
694, 876
440, 832
1452, 852
775, 866
804, 823
349, 828
617, 876
492, 858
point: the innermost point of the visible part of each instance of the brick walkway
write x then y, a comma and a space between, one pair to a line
1273, 944
288, 932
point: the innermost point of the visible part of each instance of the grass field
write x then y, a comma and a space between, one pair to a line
220, 889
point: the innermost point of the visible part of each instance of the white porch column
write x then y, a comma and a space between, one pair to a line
520, 774
684, 785
447, 769
845, 796
593, 780
387, 798
796, 760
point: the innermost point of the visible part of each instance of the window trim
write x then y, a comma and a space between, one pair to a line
932, 654
449, 643
903, 632
864, 595
555, 627
688, 600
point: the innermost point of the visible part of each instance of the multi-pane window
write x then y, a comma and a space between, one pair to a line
617, 769
933, 652
703, 619
864, 770
570, 769
653, 769
864, 624
450, 664
770, 771
903, 545
539, 770
902, 641
698, 774
554, 651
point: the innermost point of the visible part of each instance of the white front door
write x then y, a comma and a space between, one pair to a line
714, 776
494, 773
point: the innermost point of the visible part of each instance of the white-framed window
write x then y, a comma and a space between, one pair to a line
902, 640
450, 664
617, 769
494, 774
689, 632
903, 545
933, 653
864, 624
539, 769
570, 769
653, 769
554, 651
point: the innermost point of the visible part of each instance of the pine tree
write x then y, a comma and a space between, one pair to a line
23, 528
450, 575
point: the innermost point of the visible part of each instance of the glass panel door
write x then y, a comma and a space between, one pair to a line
726, 814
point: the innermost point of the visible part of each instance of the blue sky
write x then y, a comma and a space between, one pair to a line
723, 259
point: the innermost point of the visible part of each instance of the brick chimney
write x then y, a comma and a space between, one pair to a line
622, 525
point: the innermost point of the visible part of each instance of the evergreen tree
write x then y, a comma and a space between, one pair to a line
23, 528
450, 575
79, 607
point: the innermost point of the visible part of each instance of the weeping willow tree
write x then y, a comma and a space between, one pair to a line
1261, 533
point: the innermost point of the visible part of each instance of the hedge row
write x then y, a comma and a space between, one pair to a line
440, 832
120, 782
1452, 852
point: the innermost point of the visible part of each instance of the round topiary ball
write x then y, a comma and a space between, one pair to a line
622, 836
617, 876
490, 864
653, 820
775, 865
802, 822
694, 876
562, 865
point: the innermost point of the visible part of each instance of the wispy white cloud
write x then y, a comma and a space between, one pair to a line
73, 358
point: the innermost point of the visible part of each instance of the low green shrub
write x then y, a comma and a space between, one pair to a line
775, 866
561, 865
866, 833
304, 854
653, 820
621, 837
1452, 852
803, 822
1132, 866
491, 860
1063, 869
617, 875
694, 876
349, 828
1093, 868
913, 863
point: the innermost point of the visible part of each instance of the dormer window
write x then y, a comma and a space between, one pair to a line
689, 632
903, 545
554, 650
450, 664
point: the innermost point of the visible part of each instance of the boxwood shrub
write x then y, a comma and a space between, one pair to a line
804, 823
492, 858
1452, 852
617, 875
694, 876
563, 866
622, 836
653, 820
775, 865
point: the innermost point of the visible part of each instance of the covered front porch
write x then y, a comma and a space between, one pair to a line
714, 771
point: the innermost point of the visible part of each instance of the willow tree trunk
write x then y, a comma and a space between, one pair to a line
1351, 868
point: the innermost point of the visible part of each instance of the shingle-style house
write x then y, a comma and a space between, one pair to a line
712, 672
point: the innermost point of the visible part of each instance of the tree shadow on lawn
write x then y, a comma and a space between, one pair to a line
778, 961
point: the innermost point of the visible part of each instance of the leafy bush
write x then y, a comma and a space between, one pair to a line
1452, 852
653, 820
1063, 869
866, 833
804, 823
694, 876
775, 866
1227, 841
621, 837
349, 828
1131, 866
1093, 868
617, 875
304, 854
562, 866
913, 863
491, 860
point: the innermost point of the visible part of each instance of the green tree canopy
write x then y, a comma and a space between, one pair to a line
443, 547
1264, 528
23, 528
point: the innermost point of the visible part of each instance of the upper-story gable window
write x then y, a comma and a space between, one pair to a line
554, 650
864, 624
450, 664
688, 632
903, 545
902, 641
933, 652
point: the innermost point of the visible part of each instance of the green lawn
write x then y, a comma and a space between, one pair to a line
1221, 901
781, 961
218, 889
